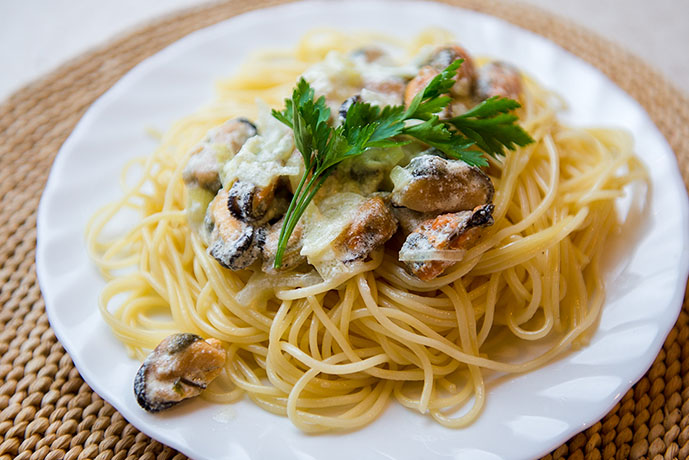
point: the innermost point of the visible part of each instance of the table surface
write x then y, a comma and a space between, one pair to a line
38, 35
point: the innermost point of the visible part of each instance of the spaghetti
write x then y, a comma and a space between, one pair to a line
329, 354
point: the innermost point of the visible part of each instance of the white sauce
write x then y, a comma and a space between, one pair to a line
264, 156
323, 224
340, 76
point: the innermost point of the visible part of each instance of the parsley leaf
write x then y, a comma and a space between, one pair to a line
433, 98
368, 126
491, 126
437, 134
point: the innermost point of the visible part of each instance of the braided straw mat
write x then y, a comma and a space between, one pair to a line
46, 409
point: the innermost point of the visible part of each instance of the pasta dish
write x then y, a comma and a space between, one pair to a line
443, 217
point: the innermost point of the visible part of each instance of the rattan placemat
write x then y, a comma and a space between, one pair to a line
46, 409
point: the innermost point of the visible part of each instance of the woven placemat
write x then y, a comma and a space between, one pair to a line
46, 409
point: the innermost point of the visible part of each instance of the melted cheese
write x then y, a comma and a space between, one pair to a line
340, 76
335, 77
264, 156
324, 223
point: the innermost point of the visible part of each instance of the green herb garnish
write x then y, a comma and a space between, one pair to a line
488, 126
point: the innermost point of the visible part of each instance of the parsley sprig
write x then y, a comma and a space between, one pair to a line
489, 126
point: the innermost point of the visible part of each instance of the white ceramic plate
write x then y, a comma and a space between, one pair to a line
525, 416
